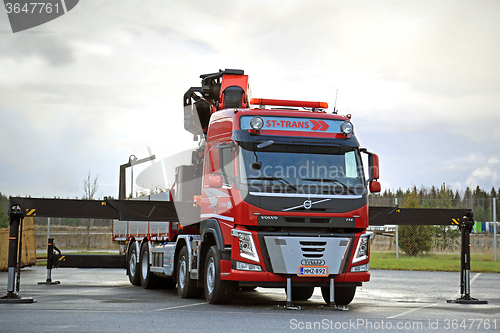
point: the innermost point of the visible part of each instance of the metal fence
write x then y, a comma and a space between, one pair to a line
421, 239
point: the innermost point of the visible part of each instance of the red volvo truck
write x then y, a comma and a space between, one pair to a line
279, 199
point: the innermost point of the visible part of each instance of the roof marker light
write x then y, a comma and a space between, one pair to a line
281, 102
346, 128
257, 123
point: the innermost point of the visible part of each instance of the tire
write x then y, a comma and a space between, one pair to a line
342, 295
132, 267
148, 279
186, 287
302, 293
217, 291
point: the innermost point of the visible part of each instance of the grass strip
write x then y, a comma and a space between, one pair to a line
481, 263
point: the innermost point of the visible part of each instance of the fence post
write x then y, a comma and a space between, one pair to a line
397, 233
495, 226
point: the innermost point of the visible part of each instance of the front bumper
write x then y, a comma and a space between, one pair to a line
267, 278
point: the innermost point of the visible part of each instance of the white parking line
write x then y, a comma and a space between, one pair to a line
429, 305
412, 310
181, 306
475, 277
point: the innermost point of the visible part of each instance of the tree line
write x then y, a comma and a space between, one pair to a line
477, 199
418, 239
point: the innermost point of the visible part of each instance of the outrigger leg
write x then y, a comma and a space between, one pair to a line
466, 228
331, 304
289, 305
50, 258
16, 215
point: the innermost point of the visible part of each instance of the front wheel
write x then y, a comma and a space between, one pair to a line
132, 267
217, 291
342, 295
302, 293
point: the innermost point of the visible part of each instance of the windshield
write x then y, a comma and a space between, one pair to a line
300, 169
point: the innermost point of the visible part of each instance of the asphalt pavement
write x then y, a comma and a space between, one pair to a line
102, 300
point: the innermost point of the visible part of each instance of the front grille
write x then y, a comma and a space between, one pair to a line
312, 249
307, 220
295, 219
312, 243
319, 220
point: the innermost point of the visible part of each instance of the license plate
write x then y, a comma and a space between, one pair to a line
313, 270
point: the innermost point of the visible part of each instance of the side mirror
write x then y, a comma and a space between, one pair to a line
375, 186
215, 181
214, 159
374, 169
373, 166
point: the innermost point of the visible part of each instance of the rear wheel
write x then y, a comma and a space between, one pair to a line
302, 293
186, 287
132, 267
342, 295
148, 279
217, 291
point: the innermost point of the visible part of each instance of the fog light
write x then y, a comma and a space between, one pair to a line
243, 266
257, 123
360, 268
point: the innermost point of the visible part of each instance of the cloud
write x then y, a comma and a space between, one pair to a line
486, 174
48, 48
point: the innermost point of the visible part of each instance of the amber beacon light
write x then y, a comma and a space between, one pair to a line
281, 102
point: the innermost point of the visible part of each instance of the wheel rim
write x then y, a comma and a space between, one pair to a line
182, 272
132, 264
211, 275
145, 264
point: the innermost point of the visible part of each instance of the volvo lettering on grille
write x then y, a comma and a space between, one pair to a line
312, 262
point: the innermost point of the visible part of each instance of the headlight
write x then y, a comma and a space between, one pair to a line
257, 123
247, 246
346, 128
362, 249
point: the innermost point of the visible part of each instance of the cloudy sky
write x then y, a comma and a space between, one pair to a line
104, 81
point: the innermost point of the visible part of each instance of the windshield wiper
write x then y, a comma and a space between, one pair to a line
327, 180
275, 178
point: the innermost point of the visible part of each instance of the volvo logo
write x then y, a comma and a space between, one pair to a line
312, 262
268, 217
307, 204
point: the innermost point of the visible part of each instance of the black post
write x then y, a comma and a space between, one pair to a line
15, 215
121, 192
464, 262
20, 255
466, 228
50, 264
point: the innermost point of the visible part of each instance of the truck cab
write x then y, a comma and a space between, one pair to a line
288, 191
